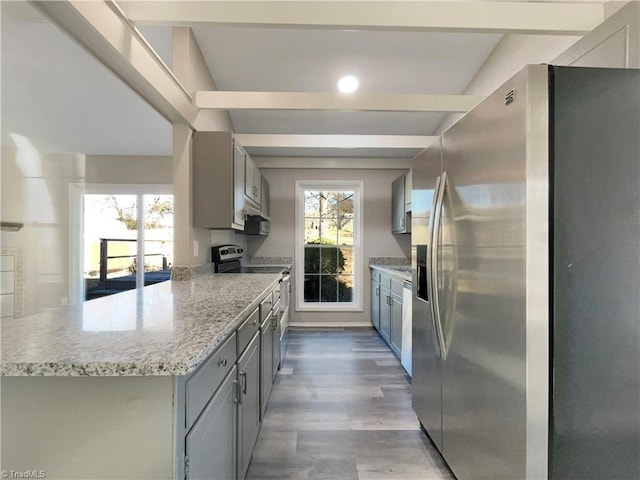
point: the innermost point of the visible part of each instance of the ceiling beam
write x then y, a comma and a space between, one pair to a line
334, 141
335, 101
104, 31
436, 16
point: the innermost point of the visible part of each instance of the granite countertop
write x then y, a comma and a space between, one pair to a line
163, 329
399, 267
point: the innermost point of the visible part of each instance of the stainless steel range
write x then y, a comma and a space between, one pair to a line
228, 259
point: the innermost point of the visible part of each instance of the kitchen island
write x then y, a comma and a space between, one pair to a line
112, 387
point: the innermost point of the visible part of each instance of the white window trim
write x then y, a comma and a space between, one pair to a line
358, 275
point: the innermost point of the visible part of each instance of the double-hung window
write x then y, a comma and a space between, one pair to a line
329, 245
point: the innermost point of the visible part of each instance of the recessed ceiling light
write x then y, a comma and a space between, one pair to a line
348, 84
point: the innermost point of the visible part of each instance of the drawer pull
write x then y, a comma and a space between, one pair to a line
243, 382
254, 323
222, 362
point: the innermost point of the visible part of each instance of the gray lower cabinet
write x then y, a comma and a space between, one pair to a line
266, 364
275, 326
225, 400
375, 304
385, 313
386, 307
395, 321
210, 445
248, 403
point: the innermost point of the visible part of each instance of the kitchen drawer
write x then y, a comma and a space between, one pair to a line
396, 286
248, 329
203, 383
265, 307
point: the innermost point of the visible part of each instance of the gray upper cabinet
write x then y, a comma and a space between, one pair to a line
239, 157
259, 225
401, 204
252, 182
265, 207
218, 181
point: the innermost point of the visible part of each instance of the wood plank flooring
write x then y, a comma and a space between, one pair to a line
341, 409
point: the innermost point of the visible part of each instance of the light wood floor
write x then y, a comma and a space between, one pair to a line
341, 409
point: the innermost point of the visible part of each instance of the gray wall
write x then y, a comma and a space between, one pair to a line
142, 170
377, 238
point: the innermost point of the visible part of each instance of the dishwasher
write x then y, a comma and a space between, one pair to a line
405, 354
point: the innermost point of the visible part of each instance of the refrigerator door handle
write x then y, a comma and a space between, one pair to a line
435, 232
432, 290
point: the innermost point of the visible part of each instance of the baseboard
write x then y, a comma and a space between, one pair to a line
331, 324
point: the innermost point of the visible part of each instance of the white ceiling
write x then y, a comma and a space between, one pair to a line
61, 98
308, 60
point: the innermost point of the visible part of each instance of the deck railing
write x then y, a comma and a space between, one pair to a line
105, 257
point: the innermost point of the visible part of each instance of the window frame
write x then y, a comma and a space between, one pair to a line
358, 277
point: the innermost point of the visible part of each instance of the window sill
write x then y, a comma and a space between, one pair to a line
338, 307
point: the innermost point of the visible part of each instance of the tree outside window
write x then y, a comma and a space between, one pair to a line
328, 246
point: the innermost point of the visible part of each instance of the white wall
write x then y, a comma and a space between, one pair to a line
35, 192
513, 52
378, 241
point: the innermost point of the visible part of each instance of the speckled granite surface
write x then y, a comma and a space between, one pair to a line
389, 261
270, 261
163, 329
399, 267
186, 273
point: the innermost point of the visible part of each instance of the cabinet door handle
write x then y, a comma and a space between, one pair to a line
243, 381
222, 362
274, 322
377, 291
237, 398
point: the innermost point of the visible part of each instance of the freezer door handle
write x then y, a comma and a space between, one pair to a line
435, 232
432, 247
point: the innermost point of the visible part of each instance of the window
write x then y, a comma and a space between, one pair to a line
125, 238
328, 246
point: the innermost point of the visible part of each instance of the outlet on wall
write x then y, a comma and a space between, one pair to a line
196, 248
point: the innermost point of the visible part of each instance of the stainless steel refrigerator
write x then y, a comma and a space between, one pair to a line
526, 274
